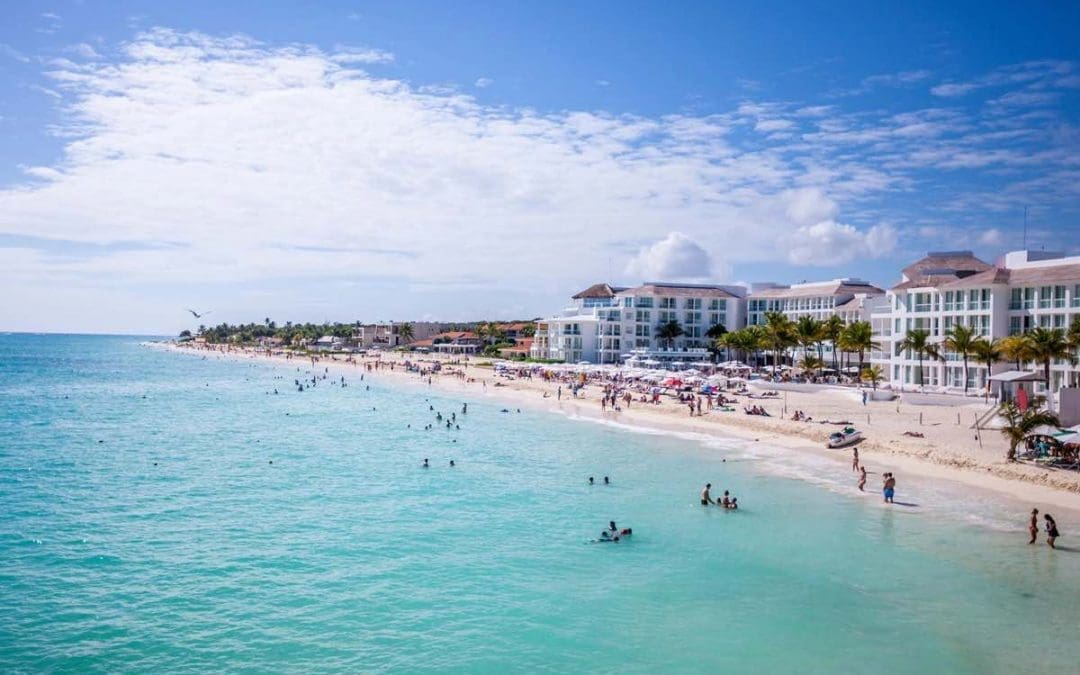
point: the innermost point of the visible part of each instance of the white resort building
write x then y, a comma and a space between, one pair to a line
850, 299
1024, 289
609, 324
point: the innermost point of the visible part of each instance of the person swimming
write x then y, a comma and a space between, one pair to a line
606, 481
452, 463
425, 463
611, 526
591, 481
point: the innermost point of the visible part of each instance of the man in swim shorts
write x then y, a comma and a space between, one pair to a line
890, 488
705, 498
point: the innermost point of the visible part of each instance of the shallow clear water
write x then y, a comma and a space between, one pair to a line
344, 555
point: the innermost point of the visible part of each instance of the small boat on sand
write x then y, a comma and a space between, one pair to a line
847, 436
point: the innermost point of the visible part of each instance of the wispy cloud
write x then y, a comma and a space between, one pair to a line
11, 52
265, 161
483, 82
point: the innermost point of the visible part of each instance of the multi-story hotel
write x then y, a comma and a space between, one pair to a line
1024, 289
850, 299
608, 324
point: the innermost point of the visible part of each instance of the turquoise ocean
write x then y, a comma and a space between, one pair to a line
160, 512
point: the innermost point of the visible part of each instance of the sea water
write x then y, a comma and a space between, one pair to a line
161, 512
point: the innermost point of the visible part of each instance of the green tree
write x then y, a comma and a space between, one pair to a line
873, 375
1017, 349
960, 339
529, 330
779, 335
987, 352
406, 333
669, 331
918, 341
808, 333
1048, 345
1019, 424
832, 329
858, 337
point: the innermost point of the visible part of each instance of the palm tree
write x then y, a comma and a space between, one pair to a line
807, 332
1019, 424
669, 331
715, 332
831, 331
986, 352
811, 362
873, 375
1049, 344
960, 339
918, 341
859, 337
1017, 349
779, 332
406, 333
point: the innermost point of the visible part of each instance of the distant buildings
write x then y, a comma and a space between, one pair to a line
1020, 291
609, 324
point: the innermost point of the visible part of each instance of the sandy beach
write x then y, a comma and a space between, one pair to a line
949, 449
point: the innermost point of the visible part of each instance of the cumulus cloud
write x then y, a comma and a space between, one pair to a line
828, 243
676, 257
291, 164
804, 206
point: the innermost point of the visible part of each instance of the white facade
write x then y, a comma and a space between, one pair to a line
820, 300
1023, 290
606, 324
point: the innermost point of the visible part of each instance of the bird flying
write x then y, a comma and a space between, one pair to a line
197, 315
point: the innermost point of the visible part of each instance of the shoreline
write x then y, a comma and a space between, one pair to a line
1022, 484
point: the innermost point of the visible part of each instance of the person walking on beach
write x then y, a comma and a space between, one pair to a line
558, 394
854, 459
889, 488
1033, 526
864, 397
705, 498
1051, 530
862, 478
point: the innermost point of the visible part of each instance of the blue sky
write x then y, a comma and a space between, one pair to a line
464, 160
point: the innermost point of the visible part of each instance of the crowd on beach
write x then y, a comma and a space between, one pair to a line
618, 390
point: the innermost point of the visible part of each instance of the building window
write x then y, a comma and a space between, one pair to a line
643, 302
1029, 298
1059, 296
1076, 296
693, 303
1016, 298
1044, 296
642, 316
667, 303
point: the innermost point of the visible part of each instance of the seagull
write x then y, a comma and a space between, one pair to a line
197, 315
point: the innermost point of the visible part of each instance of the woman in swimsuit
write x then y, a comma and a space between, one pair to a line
1033, 525
1051, 530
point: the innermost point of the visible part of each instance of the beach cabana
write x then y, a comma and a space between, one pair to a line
1007, 385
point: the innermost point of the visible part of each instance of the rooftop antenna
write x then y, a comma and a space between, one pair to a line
1025, 228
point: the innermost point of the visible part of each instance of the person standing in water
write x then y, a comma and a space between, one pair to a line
1051, 530
855, 459
1033, 526
862, 478
889, 488
705, 498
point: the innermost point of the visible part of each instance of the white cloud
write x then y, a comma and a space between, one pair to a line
291, 165
483, 82
14, 53
950, 89
805, 206
348, 55
829, 243
676, 257
84, 50
769, 125
603, 83
992, 237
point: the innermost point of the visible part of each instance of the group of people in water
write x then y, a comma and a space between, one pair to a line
613, 534
725, 502
1051, 528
